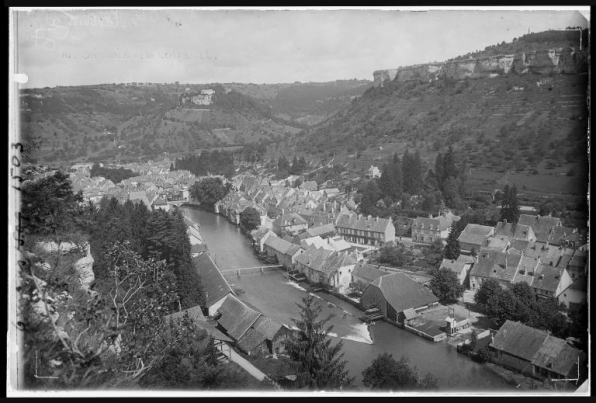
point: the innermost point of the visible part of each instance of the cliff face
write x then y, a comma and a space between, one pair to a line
384, 75
545, 61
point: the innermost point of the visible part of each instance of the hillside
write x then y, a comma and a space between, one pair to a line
527, 123
129, 121
305, 103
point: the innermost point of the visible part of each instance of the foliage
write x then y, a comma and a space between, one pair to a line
385, 373
445, 285
519, 303
190, 361
395, 255
49, 206
116, 175
250, 219
370, 196
452, 248
510, 210
208, 191
318, 363
214, 163
391, 181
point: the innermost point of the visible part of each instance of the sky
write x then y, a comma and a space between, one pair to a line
94, 46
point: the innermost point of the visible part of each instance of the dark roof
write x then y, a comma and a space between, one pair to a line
514, 231
251, 339
557, 356
519, 340
321, 230
196, 315
547, 277
214, 282
368, 272
289, 219
497, 265
475, 234
353, 221
279, 245
541, 225
401, 292
236, 317
268, 327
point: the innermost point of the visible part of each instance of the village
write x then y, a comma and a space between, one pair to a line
316, 238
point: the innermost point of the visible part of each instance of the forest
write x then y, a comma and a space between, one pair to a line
208, 162
116, 175
112, 331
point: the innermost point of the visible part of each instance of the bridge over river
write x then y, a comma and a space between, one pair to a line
277, 297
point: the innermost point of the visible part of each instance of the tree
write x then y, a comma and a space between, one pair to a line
250, 218
451, 192
445, 285
370, 195
510, 210
208, 191
49, 206
488, 288
318, 363
452, 249
385, 373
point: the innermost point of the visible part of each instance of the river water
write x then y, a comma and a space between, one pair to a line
278, 297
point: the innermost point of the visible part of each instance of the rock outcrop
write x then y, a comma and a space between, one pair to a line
545, 61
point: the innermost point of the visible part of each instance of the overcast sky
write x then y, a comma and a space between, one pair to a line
77, 47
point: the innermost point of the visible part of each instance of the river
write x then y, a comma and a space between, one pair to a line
278, 297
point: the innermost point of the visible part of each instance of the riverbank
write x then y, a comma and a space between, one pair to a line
277, 298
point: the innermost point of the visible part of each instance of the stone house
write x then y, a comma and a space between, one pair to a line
460, 266
364, 274
216, 287
289, 223
428, 230
369, 230
473, 237
285, 252
534, 352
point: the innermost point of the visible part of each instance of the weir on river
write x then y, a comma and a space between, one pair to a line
278, 298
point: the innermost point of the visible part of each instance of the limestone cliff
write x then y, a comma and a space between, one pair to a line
545, 61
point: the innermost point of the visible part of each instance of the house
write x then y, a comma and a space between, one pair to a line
514, 231
428, 230
575, 294
550, 281
253, 332
500, 244
285, 252
330, 193
500, 266
309, 185
161, 204
265, 336
535, 352
323, 213
373, 172
460, 266
289, 223
364, 274
395, 293
474, 236
365, 230
196, 316
325, 267
541, 225
324, 231
215, 285
259, 238
235, 317
138, 197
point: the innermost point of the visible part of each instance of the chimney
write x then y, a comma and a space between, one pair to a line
369, 217
504, 221
377, 218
